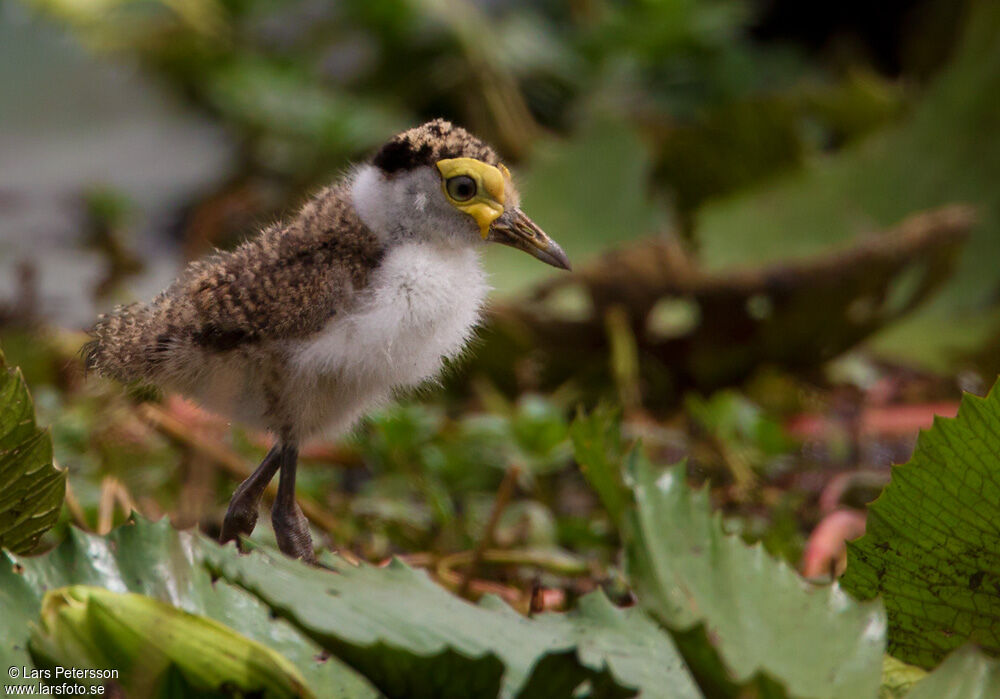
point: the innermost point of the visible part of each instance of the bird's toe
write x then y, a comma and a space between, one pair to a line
240, 520
291, 529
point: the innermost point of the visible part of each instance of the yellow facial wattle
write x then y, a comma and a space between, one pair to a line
487, 204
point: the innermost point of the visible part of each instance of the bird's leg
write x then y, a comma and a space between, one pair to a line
241, 516
290, 526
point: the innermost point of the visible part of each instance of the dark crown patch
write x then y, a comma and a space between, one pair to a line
425, 145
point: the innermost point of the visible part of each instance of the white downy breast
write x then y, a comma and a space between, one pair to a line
421, 307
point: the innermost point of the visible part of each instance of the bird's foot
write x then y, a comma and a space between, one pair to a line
291, 529
240, 519
241, 515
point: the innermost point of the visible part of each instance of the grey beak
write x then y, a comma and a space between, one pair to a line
515, 229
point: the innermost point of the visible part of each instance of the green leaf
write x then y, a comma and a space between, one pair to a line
965, 674
733, 604
31, 488
932, 547
414, 639
731, 417
597, 446
154, 560
153, 645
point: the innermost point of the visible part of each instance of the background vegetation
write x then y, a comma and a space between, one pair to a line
786, 230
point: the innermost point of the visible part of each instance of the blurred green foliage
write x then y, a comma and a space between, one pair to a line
617, 112
627, 118
435, 478
946, 150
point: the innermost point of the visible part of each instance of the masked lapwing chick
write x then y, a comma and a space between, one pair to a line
303, 328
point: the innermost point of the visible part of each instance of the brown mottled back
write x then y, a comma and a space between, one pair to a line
285, 283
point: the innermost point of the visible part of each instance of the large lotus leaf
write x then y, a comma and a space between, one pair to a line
762, 622
656, 314
412, 638
154, 560
31, 488
932, 547
947, 150
965, 674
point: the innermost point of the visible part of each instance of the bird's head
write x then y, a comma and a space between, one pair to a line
438, 181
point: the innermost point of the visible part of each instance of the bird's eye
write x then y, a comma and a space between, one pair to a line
461, 188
